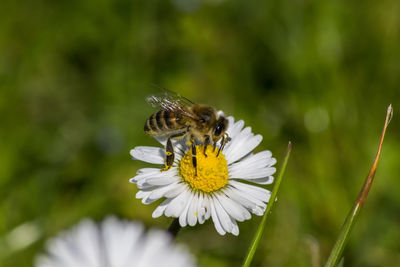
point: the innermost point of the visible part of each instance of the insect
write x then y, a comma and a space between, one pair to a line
179, 117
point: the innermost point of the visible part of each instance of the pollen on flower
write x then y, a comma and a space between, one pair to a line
212, 171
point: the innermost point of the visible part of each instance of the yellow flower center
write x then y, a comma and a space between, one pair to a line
212, 171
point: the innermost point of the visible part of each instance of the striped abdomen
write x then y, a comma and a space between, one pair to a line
163, 122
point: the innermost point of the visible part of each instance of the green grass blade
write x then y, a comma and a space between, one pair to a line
260, 230
349, 223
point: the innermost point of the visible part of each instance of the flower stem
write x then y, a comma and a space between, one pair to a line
260, 230
350, 221
174, 228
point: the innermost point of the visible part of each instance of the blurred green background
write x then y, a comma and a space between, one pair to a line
74, 76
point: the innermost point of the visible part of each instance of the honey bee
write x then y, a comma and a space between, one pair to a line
179, 117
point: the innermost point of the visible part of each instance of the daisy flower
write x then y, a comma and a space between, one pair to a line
221, 190
113, 243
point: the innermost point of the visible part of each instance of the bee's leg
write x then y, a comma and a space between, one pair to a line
194, 159
222, 145
169, 155
225, 139
206, 143
169, 151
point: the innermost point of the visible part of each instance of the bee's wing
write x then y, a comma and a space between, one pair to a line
173, 102
177, 97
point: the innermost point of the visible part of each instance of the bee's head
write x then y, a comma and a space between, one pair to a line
219, 128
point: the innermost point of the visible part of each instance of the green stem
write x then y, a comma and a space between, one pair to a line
260, 230
174, 228
352, 216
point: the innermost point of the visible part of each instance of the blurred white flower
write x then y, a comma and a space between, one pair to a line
216, 191
113, 243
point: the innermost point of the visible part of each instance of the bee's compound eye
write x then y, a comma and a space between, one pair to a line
218, 129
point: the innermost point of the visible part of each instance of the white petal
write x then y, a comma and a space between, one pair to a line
147, 170
148, 154
144, 195
251, 173
253, 204
205, 209
207, 206
114, 243
242, 145
151, 194
147, 200
260, 160
223, 216
155, 242
214, 216
259, 211
86, 235
237, 140
79, 246
192, 212
234, 128
177, 205
176, 191
255, 191
161, 191
115, 233
159, 251
235, 228
178, 157
161, 208
201, 211
238, 198
262, 181
162, 180
183, 216
145, 173
234, 209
